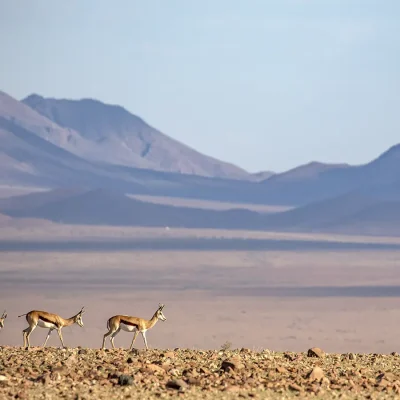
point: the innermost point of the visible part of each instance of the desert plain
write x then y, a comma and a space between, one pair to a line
273, 295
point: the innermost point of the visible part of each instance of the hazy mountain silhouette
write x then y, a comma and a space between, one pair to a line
362, 210
308, 171
378, 219
103, 207
118, 137
316, 181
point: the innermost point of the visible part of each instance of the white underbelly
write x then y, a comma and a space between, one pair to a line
127, 328
44, 324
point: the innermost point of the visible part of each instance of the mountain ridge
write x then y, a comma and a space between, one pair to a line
119, 137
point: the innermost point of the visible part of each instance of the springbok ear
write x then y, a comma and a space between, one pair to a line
161, 306
4, 314
82, 310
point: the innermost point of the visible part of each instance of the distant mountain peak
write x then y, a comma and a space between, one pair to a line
33, 97
115, 136
310, 170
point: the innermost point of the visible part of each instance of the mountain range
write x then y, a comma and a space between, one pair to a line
86, 144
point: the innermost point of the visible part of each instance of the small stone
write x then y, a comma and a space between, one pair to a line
383, 383
232, 389
394, 353
232, 364
351, 356
295, 387
3, 378
177, 384
244, 350
153, 368
316, 374
55, 376
193, 381
137, 352
315, 352
45, 379
281, 370
129, 360
388, 376
125, 380
325, 381
174, 372
71, 360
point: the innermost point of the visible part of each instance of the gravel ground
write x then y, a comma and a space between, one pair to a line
81, 373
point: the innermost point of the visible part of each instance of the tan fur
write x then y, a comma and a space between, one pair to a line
138, 324
36, 317
3, 317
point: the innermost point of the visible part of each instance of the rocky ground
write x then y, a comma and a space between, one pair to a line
80, 373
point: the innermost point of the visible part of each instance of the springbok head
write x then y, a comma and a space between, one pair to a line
159, 313
78, 317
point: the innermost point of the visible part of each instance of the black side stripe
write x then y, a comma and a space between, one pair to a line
124, 321
47, 320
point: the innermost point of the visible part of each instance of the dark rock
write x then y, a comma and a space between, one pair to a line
315, 352
231, 364
125, 380
295, 387
177, 384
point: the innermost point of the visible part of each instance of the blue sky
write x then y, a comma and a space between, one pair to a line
263, 84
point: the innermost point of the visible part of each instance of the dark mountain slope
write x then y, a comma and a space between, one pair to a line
37, 199
101, 207
29, 159
341, 212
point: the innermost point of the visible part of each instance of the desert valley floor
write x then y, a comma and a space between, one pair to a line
285, 292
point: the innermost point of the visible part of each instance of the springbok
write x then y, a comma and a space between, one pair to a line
132, 324
44, 319
3, 317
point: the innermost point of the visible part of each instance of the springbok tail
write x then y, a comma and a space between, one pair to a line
22, 315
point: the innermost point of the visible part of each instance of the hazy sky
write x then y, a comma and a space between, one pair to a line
263, 84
